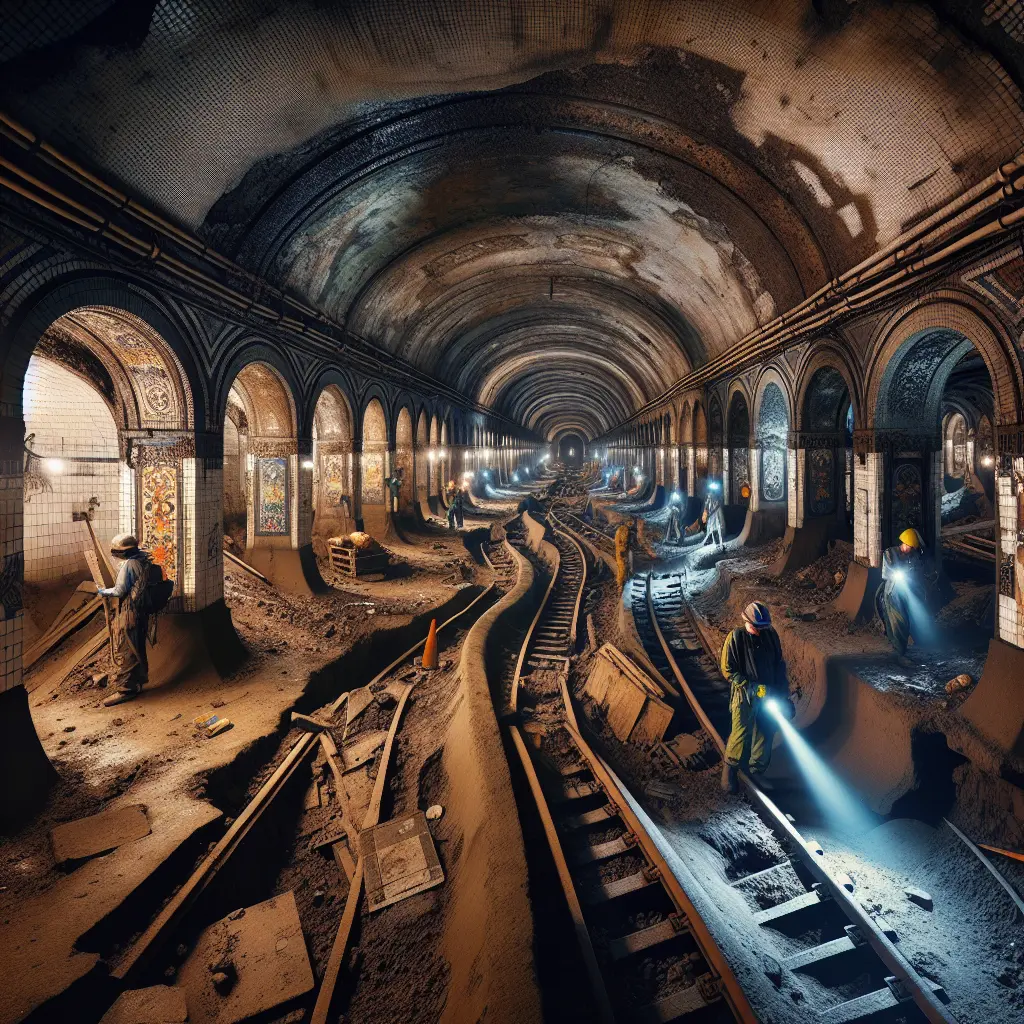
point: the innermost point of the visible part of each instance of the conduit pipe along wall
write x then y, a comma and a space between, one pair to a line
101, 223
948, 233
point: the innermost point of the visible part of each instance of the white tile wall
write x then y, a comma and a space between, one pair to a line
69, 420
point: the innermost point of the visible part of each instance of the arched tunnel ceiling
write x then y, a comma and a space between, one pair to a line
559, 206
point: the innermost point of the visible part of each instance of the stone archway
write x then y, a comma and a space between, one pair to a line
374, 470
404, 457
333, 511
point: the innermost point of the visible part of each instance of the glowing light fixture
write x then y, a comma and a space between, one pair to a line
987, 460
54, 465
676, 496
307, 463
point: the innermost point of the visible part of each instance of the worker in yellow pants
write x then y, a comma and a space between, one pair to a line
752, 661
621, 555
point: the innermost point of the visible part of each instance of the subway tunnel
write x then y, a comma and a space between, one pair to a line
512, 510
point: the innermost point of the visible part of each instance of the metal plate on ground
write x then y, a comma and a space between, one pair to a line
400, 860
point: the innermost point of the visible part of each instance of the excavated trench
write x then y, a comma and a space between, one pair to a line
269, 847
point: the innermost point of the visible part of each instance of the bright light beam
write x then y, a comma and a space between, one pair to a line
833, 796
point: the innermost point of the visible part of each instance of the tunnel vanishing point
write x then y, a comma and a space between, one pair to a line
275, 275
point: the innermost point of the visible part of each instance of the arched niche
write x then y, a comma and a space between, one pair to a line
374, 469
260, 404
333, 511
109, 433
404, 456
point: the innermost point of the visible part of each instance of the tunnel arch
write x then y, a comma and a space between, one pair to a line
404, 453
949, 319
737, 438
919, 354
773, 416
259, 401
332, 435
376, 439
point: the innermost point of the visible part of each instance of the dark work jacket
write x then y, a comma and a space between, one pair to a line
755, 659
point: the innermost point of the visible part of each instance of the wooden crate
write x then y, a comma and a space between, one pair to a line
352, 563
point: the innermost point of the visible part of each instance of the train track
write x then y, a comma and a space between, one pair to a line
853, 950
217, 870
627, 907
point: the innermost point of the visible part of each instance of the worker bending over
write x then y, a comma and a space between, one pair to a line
907, 578
752, 662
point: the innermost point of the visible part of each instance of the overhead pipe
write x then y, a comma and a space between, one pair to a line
821, 307
75, 212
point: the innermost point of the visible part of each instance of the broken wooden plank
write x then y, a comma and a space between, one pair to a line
99, 833
360, 750
158, 1004
358, 701
343, 858
62, 628
310, 722
246, 566
334, 762
340, 947
259, 954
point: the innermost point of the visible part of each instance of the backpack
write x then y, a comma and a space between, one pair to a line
158, 590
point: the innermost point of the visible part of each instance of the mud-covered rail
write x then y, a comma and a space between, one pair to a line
671, 629
626, 904
173, 918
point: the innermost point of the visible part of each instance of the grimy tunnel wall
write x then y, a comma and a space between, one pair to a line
702, 238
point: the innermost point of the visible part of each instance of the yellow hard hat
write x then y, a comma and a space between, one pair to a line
913, 538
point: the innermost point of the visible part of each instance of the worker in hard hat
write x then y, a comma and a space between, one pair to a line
674, 529
752, 661
714, 515
906, 578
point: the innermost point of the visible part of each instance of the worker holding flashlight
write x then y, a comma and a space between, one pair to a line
904, 586
752, 661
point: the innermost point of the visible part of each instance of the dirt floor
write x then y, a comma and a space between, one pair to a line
972, 940
149, 752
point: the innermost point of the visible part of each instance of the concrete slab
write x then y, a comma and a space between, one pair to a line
160, 1004
263, 949
99, 833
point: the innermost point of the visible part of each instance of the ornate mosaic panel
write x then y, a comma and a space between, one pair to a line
773, 474
272, 497
739, 474
335, 478
821, 481
907, 498
160, 516
373, 478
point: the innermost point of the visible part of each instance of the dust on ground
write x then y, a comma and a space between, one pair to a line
148, 750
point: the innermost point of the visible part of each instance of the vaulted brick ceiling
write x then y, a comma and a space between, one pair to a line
559, 207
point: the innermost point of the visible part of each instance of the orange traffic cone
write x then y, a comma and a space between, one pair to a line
430, 647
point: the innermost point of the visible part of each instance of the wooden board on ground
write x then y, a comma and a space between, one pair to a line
99, 833
635, 703
80, 607
361, 749
158, 1004
400, 860
358, 701
263, 947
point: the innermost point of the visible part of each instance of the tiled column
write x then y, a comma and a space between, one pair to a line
1009, 480
794, 499
25, 773
754, 467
